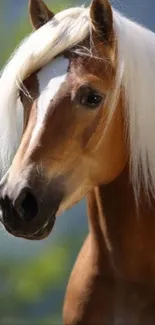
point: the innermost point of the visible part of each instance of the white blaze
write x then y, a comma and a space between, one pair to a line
50, 79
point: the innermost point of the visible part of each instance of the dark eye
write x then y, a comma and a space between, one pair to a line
88, 97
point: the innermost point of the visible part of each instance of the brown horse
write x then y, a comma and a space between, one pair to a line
84, 84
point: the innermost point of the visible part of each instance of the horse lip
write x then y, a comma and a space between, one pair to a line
46, 228
1, 216
40, 234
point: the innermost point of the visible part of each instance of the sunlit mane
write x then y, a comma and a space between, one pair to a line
136, 73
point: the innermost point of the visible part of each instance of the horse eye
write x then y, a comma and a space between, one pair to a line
88, 97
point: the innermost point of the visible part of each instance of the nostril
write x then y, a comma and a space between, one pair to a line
27, 205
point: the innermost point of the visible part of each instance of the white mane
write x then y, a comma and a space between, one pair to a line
136, 73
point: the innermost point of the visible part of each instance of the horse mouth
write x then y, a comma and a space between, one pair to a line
45, 231
41, 233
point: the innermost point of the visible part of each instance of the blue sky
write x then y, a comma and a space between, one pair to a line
141, 10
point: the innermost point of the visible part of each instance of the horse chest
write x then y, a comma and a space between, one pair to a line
134, 305
95, 297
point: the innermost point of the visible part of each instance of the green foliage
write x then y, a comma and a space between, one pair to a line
36, 284
46, 270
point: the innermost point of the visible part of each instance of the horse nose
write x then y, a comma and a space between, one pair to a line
26, 205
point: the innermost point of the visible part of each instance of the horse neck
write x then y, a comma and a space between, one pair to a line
122, 235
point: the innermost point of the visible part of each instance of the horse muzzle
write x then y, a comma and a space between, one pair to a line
29, 207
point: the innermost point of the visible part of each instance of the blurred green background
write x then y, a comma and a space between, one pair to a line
33, 276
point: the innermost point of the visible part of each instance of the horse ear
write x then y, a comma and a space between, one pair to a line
39, 13
102, 19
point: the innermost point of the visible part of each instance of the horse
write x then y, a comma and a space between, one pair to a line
77, 112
